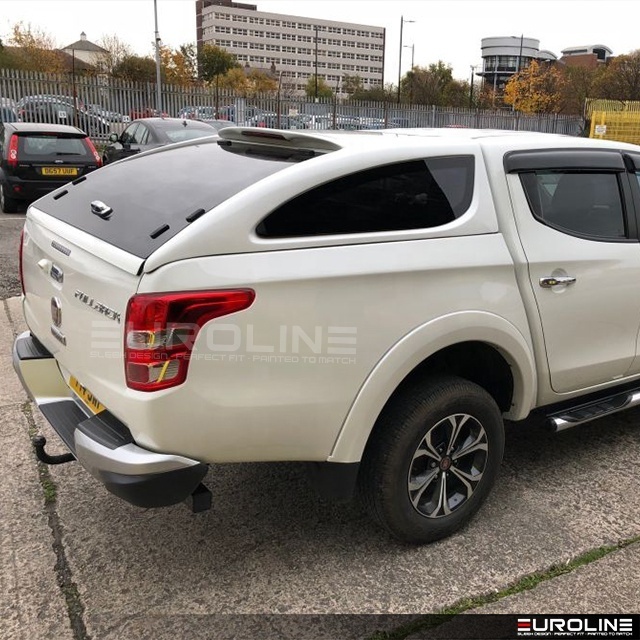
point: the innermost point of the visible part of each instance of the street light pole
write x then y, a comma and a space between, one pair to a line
412, 47
473, 68
402, 21
316, 74
157, 42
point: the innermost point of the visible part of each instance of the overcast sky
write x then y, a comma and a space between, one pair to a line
448, 30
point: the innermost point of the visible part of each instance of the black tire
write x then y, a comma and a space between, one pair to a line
402, 481
8, 205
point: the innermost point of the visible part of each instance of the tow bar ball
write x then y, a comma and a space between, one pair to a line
39, 443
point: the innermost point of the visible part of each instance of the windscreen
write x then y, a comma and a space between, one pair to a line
153, 197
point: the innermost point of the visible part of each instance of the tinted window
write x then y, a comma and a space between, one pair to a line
141, 135
417, 194
586, 203
35, 146
148, 193
187, 133
128, 135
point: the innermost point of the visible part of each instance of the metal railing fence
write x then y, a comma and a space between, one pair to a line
102, 105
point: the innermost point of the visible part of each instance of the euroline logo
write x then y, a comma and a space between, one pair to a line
601, 626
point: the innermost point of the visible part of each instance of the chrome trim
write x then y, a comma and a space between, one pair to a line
56, 273
101, 209
62, 249
564, 422
58, 335
556, 281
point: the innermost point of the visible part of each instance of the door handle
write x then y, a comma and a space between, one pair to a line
556, 281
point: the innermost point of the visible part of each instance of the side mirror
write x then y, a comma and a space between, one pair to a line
113, 137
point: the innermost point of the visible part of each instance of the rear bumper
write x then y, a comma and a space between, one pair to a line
101, 443
30, 190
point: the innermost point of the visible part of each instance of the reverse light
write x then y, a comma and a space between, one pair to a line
12, 158
161, 329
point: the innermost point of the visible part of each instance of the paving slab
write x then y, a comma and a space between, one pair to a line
610, 585
270, 547
31, 604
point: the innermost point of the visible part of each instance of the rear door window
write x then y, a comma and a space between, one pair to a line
578, 202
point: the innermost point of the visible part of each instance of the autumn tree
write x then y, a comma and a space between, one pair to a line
579, 84
434, 85
323, 89
7, 58
35, 50
179, 65
135, 69
536, 89
376, 93
214, 62
620, 79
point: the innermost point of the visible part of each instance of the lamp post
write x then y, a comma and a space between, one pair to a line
73, 84
402, 21
473, 69
158, 43
413, 48
316, 73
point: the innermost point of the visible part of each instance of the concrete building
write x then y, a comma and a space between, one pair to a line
292, 46
589, 56
505, 56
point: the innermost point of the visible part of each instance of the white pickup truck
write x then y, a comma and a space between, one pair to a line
373, 303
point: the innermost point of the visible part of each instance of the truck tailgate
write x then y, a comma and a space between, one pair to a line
77, 288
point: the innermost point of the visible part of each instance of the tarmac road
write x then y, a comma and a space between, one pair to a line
10, 227
78, 563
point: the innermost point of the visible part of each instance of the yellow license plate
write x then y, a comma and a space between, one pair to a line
86, 396
59, 171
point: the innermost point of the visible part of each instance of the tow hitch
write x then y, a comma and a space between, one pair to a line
39, 443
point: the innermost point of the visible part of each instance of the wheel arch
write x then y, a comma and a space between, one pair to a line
459, 344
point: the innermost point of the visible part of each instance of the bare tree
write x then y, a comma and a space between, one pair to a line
115, 52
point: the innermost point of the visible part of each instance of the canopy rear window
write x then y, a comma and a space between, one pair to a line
154, 197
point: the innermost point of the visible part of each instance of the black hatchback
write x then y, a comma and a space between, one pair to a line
38, 158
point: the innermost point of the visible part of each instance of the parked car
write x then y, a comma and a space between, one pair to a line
198, 113
374, 305
219, 124
146, 112
103, 112
59, 110
8, 114
149, 133
38, 158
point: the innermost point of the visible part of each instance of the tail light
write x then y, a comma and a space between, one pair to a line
92, 150
13, 152
20, 259
161, 329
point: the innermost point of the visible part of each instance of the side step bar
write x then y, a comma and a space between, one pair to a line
574, 416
